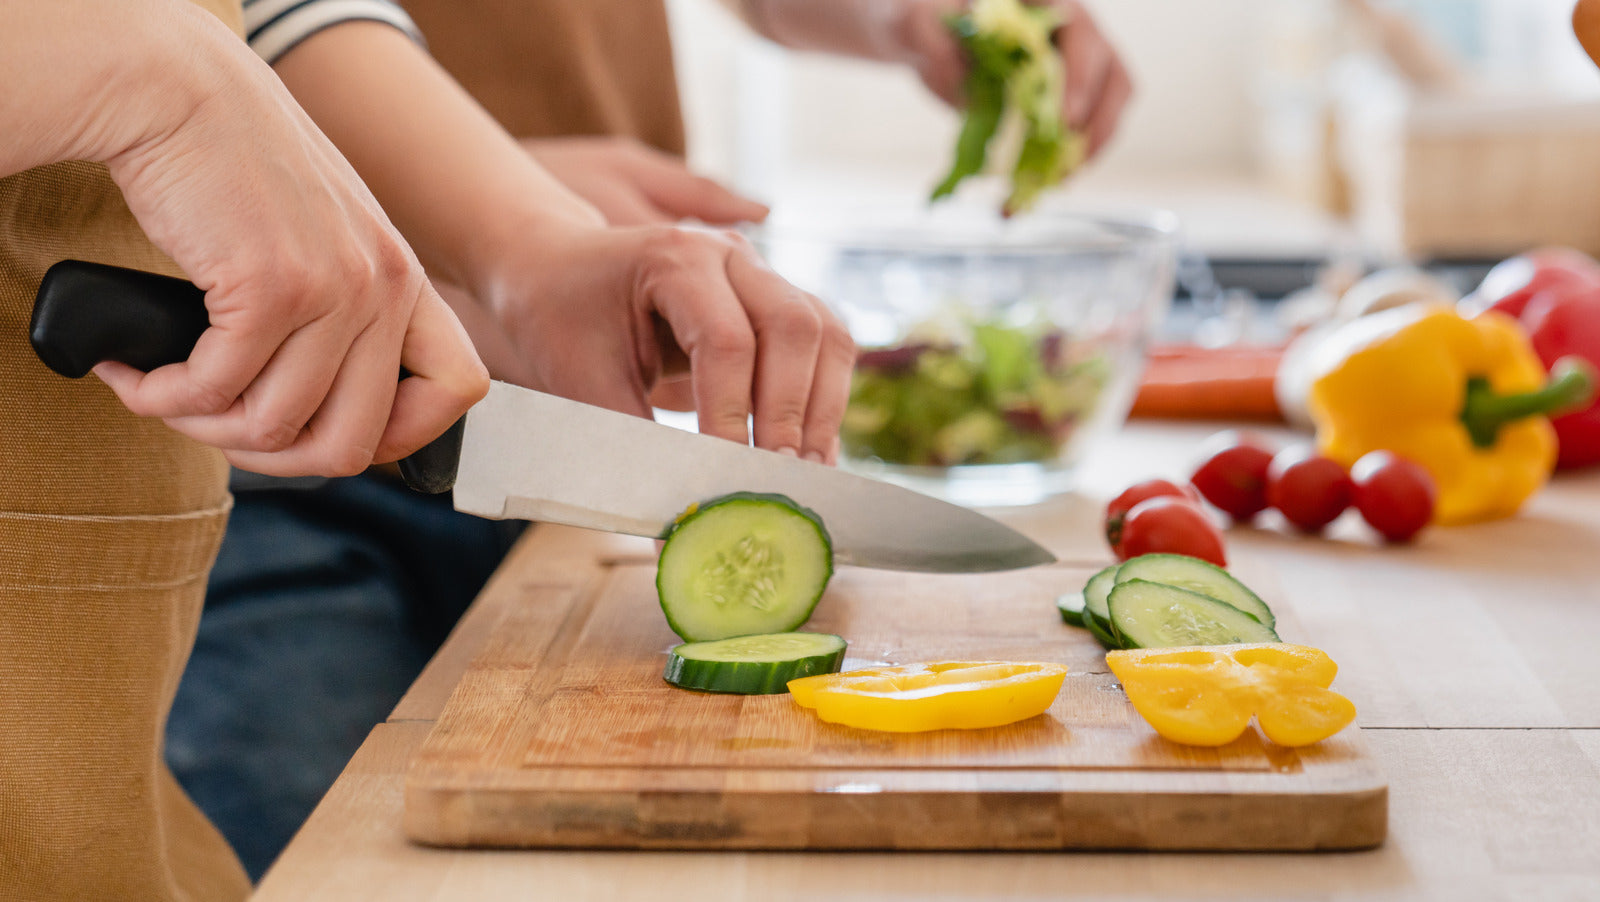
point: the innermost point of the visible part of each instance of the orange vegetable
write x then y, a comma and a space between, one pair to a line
1185, 381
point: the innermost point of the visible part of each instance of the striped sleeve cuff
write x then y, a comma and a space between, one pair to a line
274, 27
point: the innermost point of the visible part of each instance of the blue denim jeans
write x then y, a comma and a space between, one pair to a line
324, 605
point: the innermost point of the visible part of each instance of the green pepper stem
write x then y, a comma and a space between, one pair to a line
1572, 385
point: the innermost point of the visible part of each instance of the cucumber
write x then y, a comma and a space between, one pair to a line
743, 565
1071, 607
1095, 593
1152, 615
1197, 576
1100, 633
753, 665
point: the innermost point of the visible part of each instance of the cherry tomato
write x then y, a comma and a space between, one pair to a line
1234, 476
1310, 490
1512, 283
1117, 510
1171, 525
1395, 496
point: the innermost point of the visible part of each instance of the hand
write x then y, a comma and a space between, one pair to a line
755, 343
315, 300
632, 184
1098, 85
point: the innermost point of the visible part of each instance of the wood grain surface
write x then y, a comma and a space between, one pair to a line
563, 733
1483, 711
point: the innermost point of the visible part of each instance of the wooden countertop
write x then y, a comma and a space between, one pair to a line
1474, 658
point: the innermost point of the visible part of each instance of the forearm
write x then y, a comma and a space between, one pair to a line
460, 189
89, 80
870, 29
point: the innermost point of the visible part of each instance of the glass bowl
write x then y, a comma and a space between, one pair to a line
993, 352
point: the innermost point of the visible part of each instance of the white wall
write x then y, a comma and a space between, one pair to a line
1192, 59
766, 118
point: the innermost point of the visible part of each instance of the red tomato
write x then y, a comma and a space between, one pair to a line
1511, 284
1395, 496
1117, 510
1174, 526
1310, 490
1234, 477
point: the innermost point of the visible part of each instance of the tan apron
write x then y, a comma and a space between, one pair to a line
561, 67
108, 525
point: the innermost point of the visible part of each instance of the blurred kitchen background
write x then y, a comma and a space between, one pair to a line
1291, 137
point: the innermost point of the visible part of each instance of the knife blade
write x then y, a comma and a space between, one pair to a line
524, 454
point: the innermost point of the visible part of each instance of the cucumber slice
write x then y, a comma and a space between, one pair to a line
753, 665
743, 565
1197, 576
1100, 633
1095, 593
1071, 607
1152, 615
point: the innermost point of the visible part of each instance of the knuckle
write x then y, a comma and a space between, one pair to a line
206, 398
393, 265
799, 322
272, 434
836, 341
730, 342
670, 246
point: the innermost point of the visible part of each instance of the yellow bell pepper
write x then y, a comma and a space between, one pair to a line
1206, 695
949, 695
1465, 398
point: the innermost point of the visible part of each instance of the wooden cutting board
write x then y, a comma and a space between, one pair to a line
563, 734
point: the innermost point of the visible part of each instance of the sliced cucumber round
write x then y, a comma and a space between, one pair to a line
1095, 593
1100, 633
743, 565
1197, 576
1153, 615
1071, 607
753, 665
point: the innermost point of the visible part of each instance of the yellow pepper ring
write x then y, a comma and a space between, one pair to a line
1207, 695
947, 695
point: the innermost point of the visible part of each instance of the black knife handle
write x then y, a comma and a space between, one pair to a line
87, 313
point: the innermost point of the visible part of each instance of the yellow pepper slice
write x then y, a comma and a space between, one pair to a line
1207, 695
947, 695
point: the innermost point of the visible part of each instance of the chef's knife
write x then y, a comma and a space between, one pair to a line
525, 454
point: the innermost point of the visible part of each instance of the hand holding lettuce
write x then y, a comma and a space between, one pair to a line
1015, 67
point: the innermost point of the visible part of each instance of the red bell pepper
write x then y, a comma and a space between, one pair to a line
1561, 324
1555, 294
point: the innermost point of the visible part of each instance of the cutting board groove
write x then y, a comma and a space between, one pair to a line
563, 734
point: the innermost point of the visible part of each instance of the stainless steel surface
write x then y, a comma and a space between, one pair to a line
532, 456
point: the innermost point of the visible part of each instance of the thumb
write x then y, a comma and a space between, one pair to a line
446, 378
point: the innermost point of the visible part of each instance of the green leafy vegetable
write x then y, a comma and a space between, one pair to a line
1014, 67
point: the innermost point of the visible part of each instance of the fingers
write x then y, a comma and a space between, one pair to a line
271, 413
830, 392
755, 343
343, 436
686, 279
788, 327
934, 51
446, 378
680, 194
225, 360
1108, 111
1090, 61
